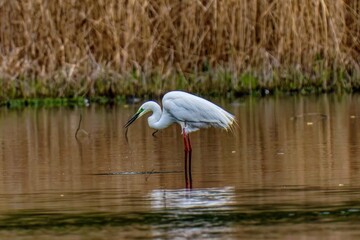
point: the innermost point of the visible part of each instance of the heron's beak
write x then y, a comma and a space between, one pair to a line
132, 119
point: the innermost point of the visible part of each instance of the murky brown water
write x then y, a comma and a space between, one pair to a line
291, 170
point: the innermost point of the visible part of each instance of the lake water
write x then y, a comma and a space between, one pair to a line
291, 170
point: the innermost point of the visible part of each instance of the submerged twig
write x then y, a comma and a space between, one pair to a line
80, 129
147, 176
126, 137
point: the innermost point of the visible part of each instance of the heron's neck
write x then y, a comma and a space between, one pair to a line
155, 116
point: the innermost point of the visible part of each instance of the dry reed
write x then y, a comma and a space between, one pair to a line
107, 47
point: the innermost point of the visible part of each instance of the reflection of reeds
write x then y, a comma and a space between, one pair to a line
72, 48
39, 153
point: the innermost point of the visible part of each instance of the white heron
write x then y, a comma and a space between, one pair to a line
189, 111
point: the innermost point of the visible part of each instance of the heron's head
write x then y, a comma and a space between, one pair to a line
142, 110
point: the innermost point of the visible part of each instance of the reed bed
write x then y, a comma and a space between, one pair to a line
68, 48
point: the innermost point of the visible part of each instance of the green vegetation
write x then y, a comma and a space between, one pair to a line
103, 49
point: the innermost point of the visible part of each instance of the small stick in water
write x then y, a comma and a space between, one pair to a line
78, 128
147, 177
126, 137
153, 134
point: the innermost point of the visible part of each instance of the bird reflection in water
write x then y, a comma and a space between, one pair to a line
220, 198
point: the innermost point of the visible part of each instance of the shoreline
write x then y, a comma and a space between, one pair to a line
110, 89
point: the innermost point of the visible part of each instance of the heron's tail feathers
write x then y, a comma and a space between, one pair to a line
223, 120
231, 123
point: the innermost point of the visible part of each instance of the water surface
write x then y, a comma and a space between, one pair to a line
290, 170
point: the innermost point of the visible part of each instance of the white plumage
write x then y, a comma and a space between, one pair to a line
193, 112
190, 111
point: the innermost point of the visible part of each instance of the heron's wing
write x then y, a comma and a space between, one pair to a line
195, 111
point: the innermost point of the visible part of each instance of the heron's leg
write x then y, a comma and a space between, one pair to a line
190, 151
190, 178
189, 143
186, 171
187, 151
186, 148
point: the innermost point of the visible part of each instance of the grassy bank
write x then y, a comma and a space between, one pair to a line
90, 48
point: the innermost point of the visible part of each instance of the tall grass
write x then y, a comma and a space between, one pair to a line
108, 47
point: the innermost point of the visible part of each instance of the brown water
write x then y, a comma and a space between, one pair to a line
290, 170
